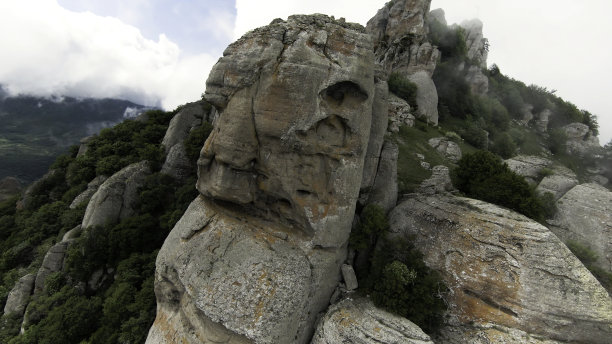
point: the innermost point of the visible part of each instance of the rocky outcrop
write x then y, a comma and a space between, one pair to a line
504, 269
257, 255
359, 321
399, 114
447, 148
488, 334
558, 183
438, 15
86, 195
541, 122
53, 262
477, 45
384, 191
83, 145
584, 215
426, 97
580, 139
380, 120
177, 163
526, 114
190, 116
478, 82
439, 182
117, 197
528, 166
400, 45
19, 296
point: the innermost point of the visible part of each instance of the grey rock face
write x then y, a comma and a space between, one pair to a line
438, 15
53, 262
86, 195
19, 296
542, 121
188, 117
359, 321
449, 149
584, 215
505, 269
83, 146
528, 166
439, 182
560, 182
488, 334
257, 255
117, 197
479, 83
526, 114
580, 140
380, 115
426, 98
177, 163
477, 45
384, 191
400, 40
349, 277
399, 113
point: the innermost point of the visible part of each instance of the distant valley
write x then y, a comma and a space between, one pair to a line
36, 130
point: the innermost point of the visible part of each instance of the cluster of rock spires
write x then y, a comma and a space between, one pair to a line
301, 109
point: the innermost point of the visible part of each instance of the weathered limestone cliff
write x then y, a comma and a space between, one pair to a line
257, 255
504, 269
400, 44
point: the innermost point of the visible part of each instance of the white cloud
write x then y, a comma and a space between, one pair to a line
253, 14
50, 50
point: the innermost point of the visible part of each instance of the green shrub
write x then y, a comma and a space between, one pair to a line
404, 89
373, 223
400, 282
484, 176
504, 146
557, 141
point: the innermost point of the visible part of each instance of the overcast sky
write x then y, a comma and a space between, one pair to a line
159, 52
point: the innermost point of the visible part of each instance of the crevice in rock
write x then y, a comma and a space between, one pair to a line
490, 302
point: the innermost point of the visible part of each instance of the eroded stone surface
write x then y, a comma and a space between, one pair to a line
117, 197
401, 46
384, 191
19, 296
449, 149
257, 255
528, 166
358, 321
584, 215
86, 195
399, 113
503, 268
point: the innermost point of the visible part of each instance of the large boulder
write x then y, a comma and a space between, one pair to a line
558, 183
502, 268
19, 296
177, 163
584, 215
53, 262
190, 116
580, 139
257, 255
528, 166
117, 197
426, 97
446, 147
399, 114
86, 195
358, 321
